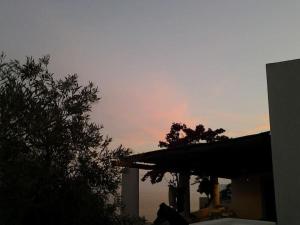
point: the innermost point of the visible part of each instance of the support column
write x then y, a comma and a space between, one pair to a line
284, 106
216, 192
130, 192
172, 196
184, 191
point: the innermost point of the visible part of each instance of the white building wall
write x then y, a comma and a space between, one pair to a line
130, 192
284, 106
246, 199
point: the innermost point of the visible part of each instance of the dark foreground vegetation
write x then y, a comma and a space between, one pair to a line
55, 164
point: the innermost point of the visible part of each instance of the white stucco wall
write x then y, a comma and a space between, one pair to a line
246, 197
130, 191
284, 106
231, 221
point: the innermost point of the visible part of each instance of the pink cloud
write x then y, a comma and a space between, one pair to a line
139, 113
246, 124
263, 124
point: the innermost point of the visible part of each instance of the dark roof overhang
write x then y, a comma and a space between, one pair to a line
229, 158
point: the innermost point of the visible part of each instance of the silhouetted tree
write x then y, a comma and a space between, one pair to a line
180, 135
55, 164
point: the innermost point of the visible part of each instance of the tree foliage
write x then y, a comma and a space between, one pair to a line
180, 135
55, 164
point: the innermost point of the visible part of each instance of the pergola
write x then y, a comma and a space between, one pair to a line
230, 158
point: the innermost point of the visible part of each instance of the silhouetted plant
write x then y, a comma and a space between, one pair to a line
55, 164
180, 135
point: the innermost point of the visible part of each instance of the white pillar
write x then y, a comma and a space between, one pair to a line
130, 192
284, 106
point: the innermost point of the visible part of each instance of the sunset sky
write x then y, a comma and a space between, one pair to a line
160, 61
